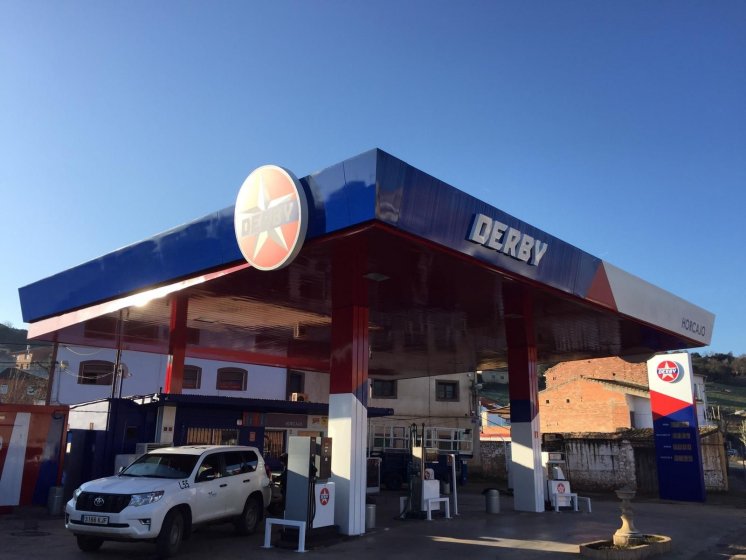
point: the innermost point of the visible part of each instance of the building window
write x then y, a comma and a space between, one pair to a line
231, 379
384, 389
294, 383
192, 377
96, 372
446, 390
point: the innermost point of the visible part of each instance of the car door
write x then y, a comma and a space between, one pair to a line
242, 478
211, 489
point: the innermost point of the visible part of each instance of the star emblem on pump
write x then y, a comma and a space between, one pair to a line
270, 217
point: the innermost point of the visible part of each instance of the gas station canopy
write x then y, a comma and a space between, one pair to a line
439, 266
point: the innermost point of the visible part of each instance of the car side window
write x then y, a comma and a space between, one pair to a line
233, 461
210, 468
250, 462
238, 462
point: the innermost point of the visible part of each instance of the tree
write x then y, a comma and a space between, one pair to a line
738, 365
718, 366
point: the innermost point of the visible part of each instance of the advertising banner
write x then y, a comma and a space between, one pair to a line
677, 446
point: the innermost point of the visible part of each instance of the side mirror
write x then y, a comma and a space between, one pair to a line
207, 474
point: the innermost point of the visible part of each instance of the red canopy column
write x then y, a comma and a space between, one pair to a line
176, 344
524, 402
348, 387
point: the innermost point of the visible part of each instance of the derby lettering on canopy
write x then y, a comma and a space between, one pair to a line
502, 238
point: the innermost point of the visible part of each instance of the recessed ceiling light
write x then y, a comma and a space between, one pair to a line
376, 276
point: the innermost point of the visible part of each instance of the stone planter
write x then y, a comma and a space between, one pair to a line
606, 550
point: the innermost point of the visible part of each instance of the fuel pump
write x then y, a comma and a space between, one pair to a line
309, 492
553, 465
422, 482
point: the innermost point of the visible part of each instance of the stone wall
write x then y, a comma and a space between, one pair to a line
493, 464
599, 464
605, 462
714, 462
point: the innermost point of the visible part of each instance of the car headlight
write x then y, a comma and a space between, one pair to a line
145, 499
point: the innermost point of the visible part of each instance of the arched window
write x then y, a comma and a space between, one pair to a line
95, 372
231, 379
192, 377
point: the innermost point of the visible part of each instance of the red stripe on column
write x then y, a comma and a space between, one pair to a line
176, 344
523, 386
349, 353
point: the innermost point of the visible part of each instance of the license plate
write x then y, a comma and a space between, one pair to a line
95, 519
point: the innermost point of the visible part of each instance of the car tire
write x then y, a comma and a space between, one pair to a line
89, 544
248, 521
172, 532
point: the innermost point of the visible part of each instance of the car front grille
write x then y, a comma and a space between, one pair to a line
104, 503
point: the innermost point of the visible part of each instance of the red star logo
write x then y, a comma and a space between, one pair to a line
668, 371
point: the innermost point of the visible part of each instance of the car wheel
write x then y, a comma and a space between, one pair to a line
89, 544
249, 519
172, 532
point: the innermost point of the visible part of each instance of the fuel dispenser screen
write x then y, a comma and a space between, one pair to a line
325, 459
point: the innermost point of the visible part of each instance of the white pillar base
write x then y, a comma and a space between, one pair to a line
528, 478
348, 428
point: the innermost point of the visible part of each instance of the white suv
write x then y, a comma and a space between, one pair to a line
165, 493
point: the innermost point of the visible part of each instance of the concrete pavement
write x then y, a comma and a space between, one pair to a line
715, 530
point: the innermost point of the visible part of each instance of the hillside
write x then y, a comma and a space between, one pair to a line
727, 396
12, 337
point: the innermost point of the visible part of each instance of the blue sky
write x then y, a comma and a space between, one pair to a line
619, 127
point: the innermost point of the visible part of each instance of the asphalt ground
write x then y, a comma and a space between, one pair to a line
709, 531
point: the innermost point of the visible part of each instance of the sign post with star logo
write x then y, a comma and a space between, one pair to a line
675, 426
270, 217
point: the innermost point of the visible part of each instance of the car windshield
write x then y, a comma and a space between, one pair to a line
166, 465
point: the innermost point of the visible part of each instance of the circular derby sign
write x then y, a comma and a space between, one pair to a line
324, 496
668, 371
270, 218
